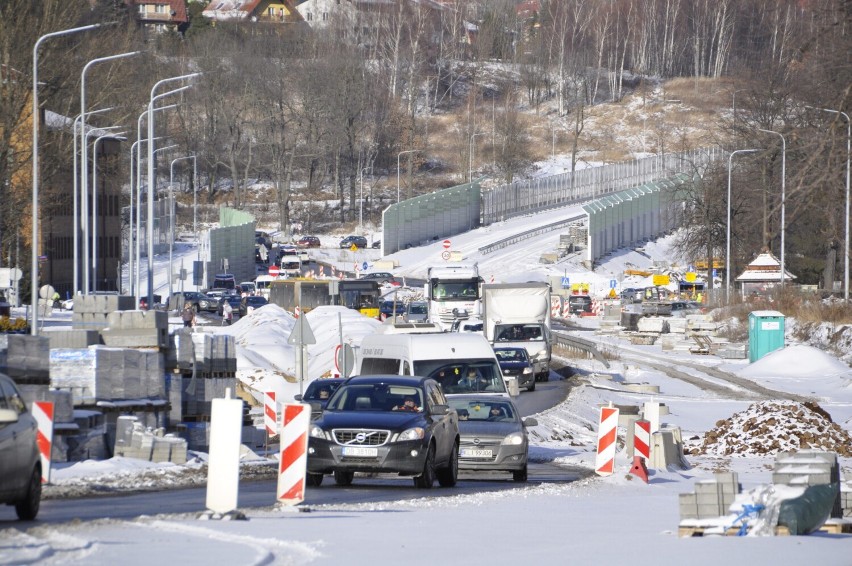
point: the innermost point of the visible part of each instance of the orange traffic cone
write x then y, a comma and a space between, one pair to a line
639, 470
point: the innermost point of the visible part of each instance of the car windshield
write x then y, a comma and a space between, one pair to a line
376, 397
518, 332
320, 390
486, 409
463, 376
418, 308
455, 290
511, 354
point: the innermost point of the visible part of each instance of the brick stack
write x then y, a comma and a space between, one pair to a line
133, 440
24, 358
137, 329
712, 498
809, 467
91, 311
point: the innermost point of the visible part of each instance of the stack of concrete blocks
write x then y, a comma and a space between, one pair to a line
71, 338
655, 324
846, 497
222, 355
676, 342
611, 320
712, 498
701, 325
24, 358
199, 392
137, 329
134, 440
91, 311
809, 467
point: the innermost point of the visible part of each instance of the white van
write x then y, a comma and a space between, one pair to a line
461, 363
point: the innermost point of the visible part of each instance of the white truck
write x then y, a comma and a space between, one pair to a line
453, 293
517, 315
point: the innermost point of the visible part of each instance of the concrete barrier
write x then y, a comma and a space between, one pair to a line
667, 449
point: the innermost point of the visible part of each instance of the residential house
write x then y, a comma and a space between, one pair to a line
158, 16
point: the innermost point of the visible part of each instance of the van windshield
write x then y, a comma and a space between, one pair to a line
463, 376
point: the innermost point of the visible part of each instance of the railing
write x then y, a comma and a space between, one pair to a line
580, 344
530, 234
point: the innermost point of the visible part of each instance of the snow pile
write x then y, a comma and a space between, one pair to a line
770, 427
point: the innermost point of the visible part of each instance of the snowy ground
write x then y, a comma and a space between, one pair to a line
616, 519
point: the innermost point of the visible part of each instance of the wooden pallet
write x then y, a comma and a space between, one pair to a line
780, 530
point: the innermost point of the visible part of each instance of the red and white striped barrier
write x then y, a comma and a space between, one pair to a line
596, 307
555, 305
43, 413
270, 413
642, 439
607, 435
566, 309
294, 453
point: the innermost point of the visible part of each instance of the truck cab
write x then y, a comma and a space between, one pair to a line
453, 293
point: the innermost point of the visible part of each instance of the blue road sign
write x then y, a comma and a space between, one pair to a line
612, 283
566, 282
365, 266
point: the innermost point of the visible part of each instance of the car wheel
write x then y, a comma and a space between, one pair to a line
313, 480
531, 386
343, 478
427, 478
27, 509
520, 475
448, 476
545, 376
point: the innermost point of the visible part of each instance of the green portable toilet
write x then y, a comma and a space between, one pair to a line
765, 333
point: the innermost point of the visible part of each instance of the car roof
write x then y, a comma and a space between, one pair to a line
390, 379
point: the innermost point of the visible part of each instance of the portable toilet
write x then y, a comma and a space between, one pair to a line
765, 333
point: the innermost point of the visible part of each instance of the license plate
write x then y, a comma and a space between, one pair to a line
474, 453
360, 451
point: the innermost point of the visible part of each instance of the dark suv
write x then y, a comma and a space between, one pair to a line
578, 304
20, 464
199, 301
386, 423
357, 241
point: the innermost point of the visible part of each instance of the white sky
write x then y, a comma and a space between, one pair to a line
599, 520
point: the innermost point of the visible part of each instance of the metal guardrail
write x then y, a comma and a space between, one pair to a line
581, 344
529, 234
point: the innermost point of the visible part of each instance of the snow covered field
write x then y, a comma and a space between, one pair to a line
616, 519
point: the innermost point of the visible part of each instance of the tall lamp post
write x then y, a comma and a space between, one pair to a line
361, 208
470, 155
783, 195
84, 178
149, 231
75, 284
846, 241
172, 204
151, 181
35, 118
118, 135
728, 247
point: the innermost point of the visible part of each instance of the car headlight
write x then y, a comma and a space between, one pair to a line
527, 370
317, 432
514, 439
415, 433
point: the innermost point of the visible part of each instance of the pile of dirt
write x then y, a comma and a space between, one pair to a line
770, 427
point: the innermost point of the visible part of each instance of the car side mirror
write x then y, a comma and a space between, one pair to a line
529, 421
297, 396
315, 407
8, 416
440, 410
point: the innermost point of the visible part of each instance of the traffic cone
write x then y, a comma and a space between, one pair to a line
639, 470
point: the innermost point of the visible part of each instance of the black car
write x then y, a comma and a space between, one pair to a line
233, 299
319, 392
20, 464
515, 362
386, 423
199, 301
357, 241
250, 302
578, 304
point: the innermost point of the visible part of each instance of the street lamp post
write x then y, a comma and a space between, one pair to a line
846, 240
75, 284
728, 247
149, 232
84, 178
151, 181
361, 208
783, 195
95, 203
133, 254
470, 156
172, 221
35, 118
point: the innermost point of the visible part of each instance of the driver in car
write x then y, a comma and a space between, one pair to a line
407, 405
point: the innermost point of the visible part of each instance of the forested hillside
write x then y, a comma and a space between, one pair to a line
431, 92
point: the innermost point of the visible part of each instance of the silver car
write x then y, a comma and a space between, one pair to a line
493, 435
20, 465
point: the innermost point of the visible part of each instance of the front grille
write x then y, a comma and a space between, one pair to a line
360, 436
483, 443
511, 372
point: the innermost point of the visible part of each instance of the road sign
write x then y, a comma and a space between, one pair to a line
365, 265
353, 248
446, 244
344, 359
566, 282
302, 333
445, 255
612, 283
273, 270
